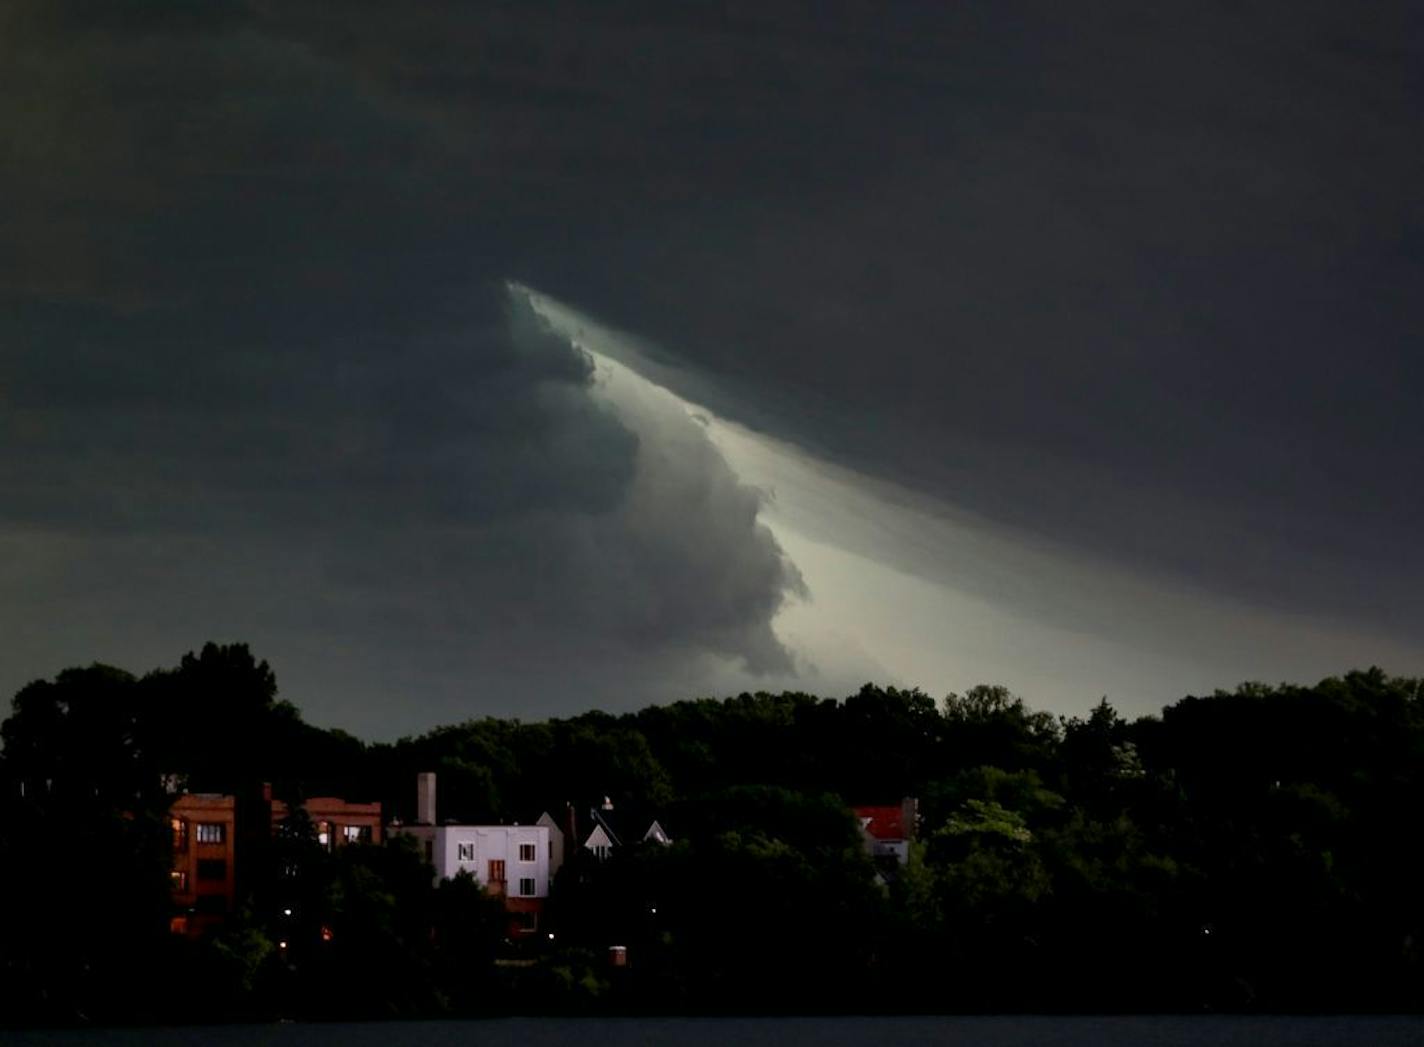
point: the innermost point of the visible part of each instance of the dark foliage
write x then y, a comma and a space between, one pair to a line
1247, 850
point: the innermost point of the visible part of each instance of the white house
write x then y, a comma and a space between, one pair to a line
512, 860
509, 860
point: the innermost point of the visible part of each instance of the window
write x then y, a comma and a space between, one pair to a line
212, 832
601, 851
212, 869
323, 833
180, 880
180, 835
356, 833
526, 885
526, 852
466, 852
496, 870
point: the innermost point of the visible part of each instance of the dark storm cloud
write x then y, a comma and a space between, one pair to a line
261, 378
1142, 280
1139, 280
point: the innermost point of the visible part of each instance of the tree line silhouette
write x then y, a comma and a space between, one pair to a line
1248, 850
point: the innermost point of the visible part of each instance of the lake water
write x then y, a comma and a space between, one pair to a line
775, 1032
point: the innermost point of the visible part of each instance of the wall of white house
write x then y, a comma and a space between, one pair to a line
556, 843
524, 850
899, 849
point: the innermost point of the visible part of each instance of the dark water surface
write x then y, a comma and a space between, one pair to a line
774, 1032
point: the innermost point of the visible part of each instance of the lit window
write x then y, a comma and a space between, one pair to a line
526, 885
323, 833
180, 834
526, 852
466, 852
212, 832
180, 880
356, 833
496, 871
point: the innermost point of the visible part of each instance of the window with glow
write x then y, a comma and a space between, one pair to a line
466, 852
212, 832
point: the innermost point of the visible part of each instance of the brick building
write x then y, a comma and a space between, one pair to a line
215, 836
204, 873
336, 822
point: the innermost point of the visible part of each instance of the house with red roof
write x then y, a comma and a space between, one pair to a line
888, 830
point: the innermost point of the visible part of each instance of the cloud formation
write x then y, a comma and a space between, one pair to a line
1136, 283
251, 392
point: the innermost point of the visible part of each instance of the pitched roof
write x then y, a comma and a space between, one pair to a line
883, 823
600, 819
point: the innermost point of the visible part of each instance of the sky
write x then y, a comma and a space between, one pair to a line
516, 359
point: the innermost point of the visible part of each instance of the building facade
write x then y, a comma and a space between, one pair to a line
204, 874
210, 853
888, 831
511, 861
336, 822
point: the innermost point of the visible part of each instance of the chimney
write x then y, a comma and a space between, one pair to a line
910, 816
425, 798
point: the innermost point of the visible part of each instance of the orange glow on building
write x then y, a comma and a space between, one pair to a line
204, 827
337, 822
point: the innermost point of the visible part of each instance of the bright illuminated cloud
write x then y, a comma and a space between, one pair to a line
904, 588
